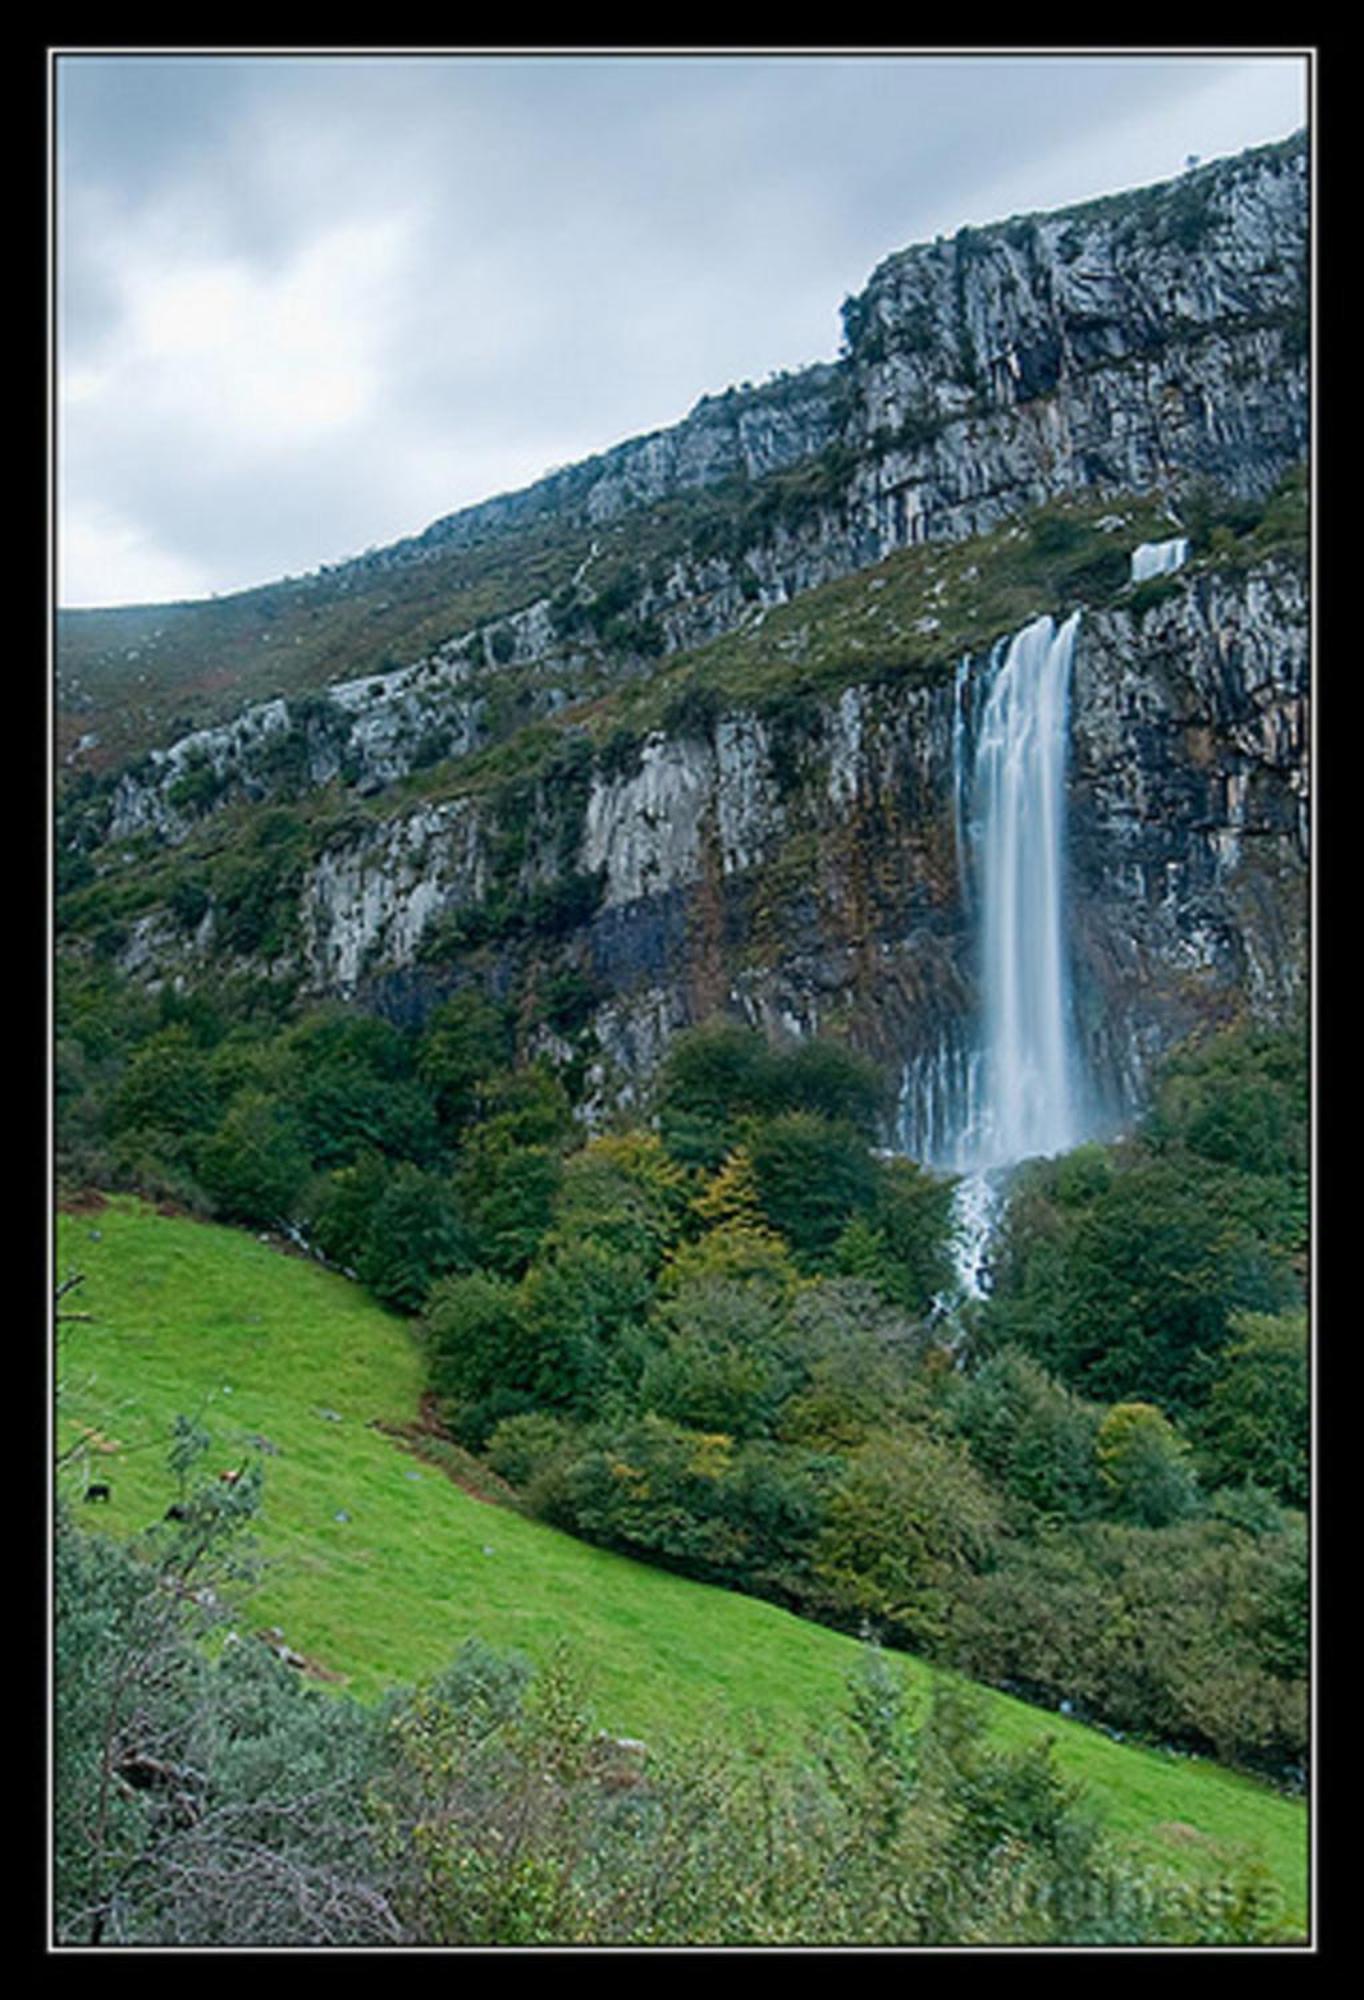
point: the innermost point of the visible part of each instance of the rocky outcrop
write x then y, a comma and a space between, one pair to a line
1136, 342
1189, 814
1120, 326
810, 877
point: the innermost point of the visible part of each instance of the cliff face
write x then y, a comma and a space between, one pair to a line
797, 861
808, 876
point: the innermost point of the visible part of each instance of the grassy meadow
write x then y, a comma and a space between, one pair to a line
376, 1565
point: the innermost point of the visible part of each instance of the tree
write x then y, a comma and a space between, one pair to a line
483, 1354
901, 1240
723, 1364
415, 1236
168, 1086
1031, 1436
1257, 1420
812, 1176
255, 1164
466, 1041
1145, 1466
911, 1517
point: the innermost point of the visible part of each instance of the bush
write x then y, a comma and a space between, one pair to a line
415, 1235
902, 1242
199, 1800
169, 1084
466, 1041
1257, 1421
1031, 1437
1194, 1634
482, 1355
507, 1194
722, 1365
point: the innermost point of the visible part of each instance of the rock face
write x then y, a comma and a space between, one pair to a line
804, 870
1130, 343
817, 884
1189, 815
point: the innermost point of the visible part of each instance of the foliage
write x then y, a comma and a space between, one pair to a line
350, 1077
1030, 1436
414, 1236
255, 886
507, 1194
1256, 1422
168, 1085
1144, 1466
812, 1176
747, 1253
862, 1365
483, 1359
202, 1798
1124, 1279
508, 1817
716, 1078
900, 1241
910, 1517
255, 1164
624, 1191
721, 1364
1193, 1633
583, 1302
466, 1041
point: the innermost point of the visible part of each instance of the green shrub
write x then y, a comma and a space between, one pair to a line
910, 1518
1144, 1467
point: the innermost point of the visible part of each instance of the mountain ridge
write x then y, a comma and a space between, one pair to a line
950, 335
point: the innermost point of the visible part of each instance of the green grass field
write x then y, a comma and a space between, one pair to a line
377, 1566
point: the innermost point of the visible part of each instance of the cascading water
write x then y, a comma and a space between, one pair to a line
986, 1099
1018, 797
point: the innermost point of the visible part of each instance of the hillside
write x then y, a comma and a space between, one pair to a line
377, 1566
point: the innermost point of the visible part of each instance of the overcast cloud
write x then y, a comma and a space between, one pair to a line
307, 304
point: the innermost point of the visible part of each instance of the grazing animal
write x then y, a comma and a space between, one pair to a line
175, 1512
231, 1478
97, 1491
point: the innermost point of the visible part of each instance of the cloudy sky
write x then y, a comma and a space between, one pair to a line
307, 303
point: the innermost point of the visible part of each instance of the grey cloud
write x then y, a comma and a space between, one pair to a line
595, 243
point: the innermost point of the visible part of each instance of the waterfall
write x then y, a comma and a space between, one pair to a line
1005, 1087
1152, 559
1018, 822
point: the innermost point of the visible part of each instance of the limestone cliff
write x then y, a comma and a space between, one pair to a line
778, 839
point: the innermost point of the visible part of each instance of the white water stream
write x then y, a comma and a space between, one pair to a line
980, 1102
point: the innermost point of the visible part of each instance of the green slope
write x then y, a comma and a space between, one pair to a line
377, 1566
